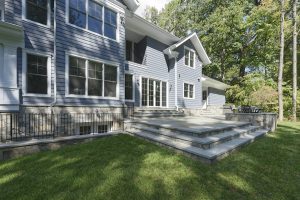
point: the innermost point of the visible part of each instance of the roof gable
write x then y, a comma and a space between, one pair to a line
197, 44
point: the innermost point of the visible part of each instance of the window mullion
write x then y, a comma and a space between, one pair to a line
86, 14
103, 20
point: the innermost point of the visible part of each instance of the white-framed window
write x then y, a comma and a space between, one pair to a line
93, 16
188, 91
36, 74
90, 78
129, 87
189, 57
37, 11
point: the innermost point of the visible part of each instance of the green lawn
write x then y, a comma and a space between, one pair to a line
124, 167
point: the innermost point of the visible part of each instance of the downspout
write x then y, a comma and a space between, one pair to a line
176, 84
54, 60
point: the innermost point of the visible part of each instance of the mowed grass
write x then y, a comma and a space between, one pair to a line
125, 167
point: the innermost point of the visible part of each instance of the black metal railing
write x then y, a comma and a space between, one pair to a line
26, 126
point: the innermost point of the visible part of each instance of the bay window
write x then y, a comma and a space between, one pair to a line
89, 78
90, 15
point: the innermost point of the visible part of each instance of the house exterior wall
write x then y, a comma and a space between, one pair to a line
216, 97
189, 75
69, 40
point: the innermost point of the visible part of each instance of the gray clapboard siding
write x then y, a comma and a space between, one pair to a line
189, 75
216, 97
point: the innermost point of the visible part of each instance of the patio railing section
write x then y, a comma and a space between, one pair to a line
22, 127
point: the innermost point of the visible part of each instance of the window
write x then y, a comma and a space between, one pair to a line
36, 74
77, 76
95, 79
85, 130
91, 78
189, 58
110, 27
103, 129
110, 81
129, 87
93, 17
37, 11
188, 91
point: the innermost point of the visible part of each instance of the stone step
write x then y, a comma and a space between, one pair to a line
189, 131
205, 155
204, 143
157, 115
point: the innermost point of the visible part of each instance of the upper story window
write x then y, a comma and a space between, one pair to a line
37, 11
90, 78
37, 74
189, 57
94, 17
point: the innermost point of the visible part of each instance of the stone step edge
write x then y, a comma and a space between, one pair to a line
197, 140
204, 157
190, 131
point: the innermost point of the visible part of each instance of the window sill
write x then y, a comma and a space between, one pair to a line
189, 66
37, 23
130, 101
135, 64
37, 95
91, 97
189, 98
91, 32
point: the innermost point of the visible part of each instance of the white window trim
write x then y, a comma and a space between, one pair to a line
86, 96
194, 90
130, 63
24, 73
140, 91
48, 25
133, 87
106, 4
190, 50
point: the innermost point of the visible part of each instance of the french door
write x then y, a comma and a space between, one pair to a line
154, 93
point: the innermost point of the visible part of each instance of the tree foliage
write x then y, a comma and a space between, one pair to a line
240, 37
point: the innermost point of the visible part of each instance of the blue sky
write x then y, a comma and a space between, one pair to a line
159, 4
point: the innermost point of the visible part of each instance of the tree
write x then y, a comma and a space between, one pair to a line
151, 14
281, 62
295, 34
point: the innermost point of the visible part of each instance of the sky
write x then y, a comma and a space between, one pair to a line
159, 4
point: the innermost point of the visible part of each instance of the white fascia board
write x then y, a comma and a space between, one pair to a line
198, 45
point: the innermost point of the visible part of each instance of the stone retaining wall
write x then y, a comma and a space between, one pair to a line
265, 120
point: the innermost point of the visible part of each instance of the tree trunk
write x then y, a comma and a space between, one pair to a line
295, 34
280, 69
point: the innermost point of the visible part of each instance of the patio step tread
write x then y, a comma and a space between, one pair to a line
193, 131
204, 140
208, 154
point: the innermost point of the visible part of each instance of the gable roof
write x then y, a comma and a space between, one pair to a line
132, 4
197, 44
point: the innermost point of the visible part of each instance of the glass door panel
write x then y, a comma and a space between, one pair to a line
157, 93
144, 92
151, 92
